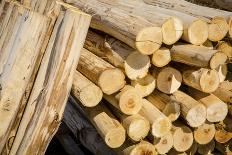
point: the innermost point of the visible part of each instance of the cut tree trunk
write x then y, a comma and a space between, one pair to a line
161, 57
192, 111
225, 47
204, 133
223, 130
47, 100
164, 143
85, 91
100, 72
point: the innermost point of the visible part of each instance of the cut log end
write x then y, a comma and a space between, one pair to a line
218, 59
225, 47
148, 40
130, 101
204, 133
161, 127
115, 138
90, 96
209, 81
182, 138
143, 148
218, 29
196, 116
198, 32
161, 57
145, 86
164, 144
172, 110
222, 136
172, 30
169, 80
111, 80
136, 65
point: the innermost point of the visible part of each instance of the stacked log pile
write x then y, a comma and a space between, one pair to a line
153, 76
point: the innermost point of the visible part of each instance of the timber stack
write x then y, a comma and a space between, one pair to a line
153, 77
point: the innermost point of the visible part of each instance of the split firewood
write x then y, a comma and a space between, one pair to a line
225, 47
168, 79
85, 91
160, 124
145, 86
216, 109
48, 98
128, 100
206, 149
197, 56
204, 133
161, 57
205, 80
223, 130
166, 104
100, 72
164, 143
191, 110
182, 137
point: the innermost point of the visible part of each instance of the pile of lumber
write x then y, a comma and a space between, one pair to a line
40, 45
153, 78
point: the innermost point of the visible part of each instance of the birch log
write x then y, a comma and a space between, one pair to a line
192, 111
204, 133
85, 91
21, 43
100, 72
53, 83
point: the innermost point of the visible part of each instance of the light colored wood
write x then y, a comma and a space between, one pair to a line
45, 107
85, 91
166, 104
128, 101
161, 57
230, 27
222, 72
225, 47
108, 48
191, 151
218, 59
206, 149
145, 86
182, 137
133, 30
204, 133
168, 79
160, 124
20, 47
205, 80
191, 110
223, 130
100, 72
223, 94
227, 85
164, 143
136, 65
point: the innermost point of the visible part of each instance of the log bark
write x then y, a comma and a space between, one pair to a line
206, 149
191, 110
164, 143
166, 104
160, 124
52, 84
128, 101
135, 31
168, 79
204, 133
85, 91
100, 72
161, 57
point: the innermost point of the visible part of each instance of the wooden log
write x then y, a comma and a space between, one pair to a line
222, 72
205, 80
197, 56
100, 72
191, 151
204, 133
182, 137
82, 129
223, 131
128, 101
230, 27
45, 107
164, 143
166, 104
161, 57
85, 91
108, 48
206, 149
136, 65
225, 47
223, 94
145, 86
20, 47
191, 110
216, 109
160, 124
116, 21
227, 85
168, 79
222, 4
